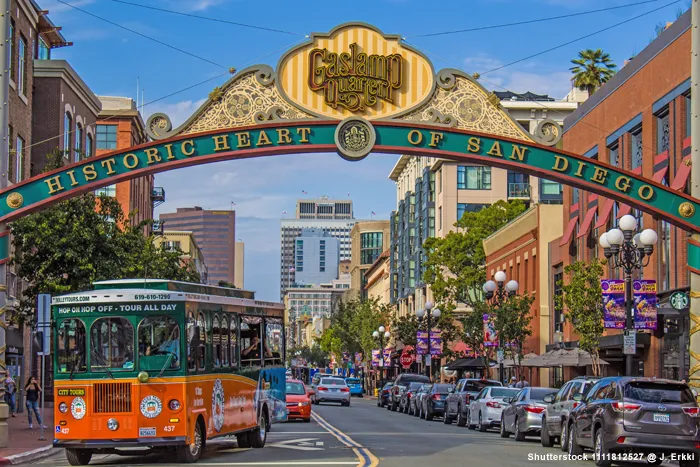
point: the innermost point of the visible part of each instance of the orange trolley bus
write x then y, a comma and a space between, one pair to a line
165, 365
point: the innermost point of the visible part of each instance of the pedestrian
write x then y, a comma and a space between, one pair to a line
522, 383
10, 393
513, 382
32, 391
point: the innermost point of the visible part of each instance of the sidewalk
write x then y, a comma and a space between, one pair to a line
24, 445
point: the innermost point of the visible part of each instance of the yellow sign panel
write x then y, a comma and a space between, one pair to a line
355, 70
71, 392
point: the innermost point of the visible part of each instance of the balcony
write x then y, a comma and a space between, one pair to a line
157, 196
519, 191
157, 227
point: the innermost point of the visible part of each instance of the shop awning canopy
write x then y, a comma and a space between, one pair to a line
604, 214
565, 357
528, 360
587, 221
468, 364
566, 238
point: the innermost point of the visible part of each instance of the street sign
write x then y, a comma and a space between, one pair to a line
407, 360
428, 360
499, 356
679, 300
43, 322
630, 342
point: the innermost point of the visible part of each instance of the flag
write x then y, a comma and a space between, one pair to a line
232, 203
284, 212
306, 193
374, 213
348, 194
291, 269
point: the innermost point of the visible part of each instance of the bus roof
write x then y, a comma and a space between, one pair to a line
175, 286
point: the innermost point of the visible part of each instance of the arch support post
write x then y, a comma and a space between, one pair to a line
693, 246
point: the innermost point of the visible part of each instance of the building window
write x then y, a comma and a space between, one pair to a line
550, 188
440, 218
371, 244
662, 132
11, 51
468, 207
19, 159
44, 51
637, 149
473, 178
110, 190
22, 58
439, 177
575, 196
88, 146
614, 155
67, 129
79, 149
106, 136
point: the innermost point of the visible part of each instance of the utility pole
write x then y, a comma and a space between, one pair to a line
695, 187
4, 168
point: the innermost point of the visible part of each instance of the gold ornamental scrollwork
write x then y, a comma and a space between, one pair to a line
686, 209
15, 200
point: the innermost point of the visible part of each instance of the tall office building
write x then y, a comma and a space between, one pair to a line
215, 233
324, 208
316, 257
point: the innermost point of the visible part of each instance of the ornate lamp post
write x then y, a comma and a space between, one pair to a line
630, 252
428, 312
497, 293
381, 333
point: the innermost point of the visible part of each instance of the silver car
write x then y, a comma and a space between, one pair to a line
485, 409
558, 409
332, 389
523, 415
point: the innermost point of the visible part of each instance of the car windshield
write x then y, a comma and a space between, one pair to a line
111, 344
476, 386
388, 385
537, 394
333, 381
352, 380
295, 389
406, 379
441, 388
658, 392
415, 386
504, 392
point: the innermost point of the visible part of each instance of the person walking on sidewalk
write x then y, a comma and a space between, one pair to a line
32, 390
10, 393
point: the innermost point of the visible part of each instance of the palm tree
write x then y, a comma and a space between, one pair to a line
593, 68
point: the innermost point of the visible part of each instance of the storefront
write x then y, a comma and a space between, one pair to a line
14, 358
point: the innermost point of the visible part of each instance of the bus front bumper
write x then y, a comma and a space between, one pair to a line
119, 443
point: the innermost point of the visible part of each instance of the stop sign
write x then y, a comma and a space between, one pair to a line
407, 360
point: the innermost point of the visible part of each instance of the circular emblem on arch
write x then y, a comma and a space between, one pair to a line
355, 138
14, 200
686, 209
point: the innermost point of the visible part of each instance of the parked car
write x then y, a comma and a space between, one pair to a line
457, 402
332, 389
486, 407
433, 403
355, 385
298, 402
523, 414
557, 410
317, 377
417, 400
400, 384
383, 395
636, 415
407, 395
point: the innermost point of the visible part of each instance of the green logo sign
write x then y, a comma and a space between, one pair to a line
679, 300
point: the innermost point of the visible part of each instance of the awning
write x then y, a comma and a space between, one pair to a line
461, 347
659, 176
587, 221
528, 360
468, 363
569, 231
605, 214
681, 175
624, 210
566, 357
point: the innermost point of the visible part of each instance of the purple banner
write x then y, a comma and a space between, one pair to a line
375, 357
490, 334
422, 346
435, 343
387, 357
346, 357
613, 303
645, 304
358, 358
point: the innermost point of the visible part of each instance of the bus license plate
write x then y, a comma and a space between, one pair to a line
662, 417
144, 432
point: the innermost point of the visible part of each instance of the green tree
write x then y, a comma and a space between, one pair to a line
330, 343
405, 329
473, 331
592, 69
228, 284
512, 320
582, 300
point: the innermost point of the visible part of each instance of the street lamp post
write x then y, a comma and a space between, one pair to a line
497, 293
631, 252
428, 312
381, 333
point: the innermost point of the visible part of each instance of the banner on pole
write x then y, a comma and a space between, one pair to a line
645, 304
375, 357
435, 343
387, 357
613, 303
490, 334
422, 346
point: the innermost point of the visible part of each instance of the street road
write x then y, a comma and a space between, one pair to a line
363, 435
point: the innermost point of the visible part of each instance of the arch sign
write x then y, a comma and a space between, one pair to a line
353, 91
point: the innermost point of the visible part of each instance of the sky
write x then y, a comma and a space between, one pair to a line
112, 60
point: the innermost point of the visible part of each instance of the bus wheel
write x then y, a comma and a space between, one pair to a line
258, 436
78, 456
191, 453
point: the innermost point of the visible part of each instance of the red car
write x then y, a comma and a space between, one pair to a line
298, 402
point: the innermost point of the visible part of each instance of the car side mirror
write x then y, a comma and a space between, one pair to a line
507, 400
578, 397
450, 390
549, 398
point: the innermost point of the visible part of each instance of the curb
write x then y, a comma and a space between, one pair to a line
29, 456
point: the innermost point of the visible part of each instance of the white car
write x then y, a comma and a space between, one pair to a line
332, 389
486, 408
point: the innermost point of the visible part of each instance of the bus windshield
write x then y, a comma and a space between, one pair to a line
159, 343
111, 345
71, 346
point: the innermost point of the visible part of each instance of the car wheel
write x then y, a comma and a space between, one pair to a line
78, 456
470, 425
428, 414
482, 427
307, 420
545, 439
564, 438
189, 454
393, 406
504, 432
519, 435
379, 404
446, 419
258, 436
574, 448
460, 419
422, 414
599, 452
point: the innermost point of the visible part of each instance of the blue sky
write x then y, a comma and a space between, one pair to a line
110, 60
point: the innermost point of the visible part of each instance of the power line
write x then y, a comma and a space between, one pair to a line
143, 35
519, 23
208, 18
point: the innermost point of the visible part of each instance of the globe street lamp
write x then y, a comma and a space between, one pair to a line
497, 293
381, 333
630, 251
428, 312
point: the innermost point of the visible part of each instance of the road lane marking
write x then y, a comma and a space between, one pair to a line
366, 458
298, 444
217, 464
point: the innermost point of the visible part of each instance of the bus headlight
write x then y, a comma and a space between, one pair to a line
174, 405
112, 424
142, 377
63, 407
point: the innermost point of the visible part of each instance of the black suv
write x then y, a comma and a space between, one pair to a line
457, 402
400, 384
636, 415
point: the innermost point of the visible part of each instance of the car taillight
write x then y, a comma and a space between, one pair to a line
322, 388
436, 397
575, 405
344, 389
621, 440
697, 444
692, 411
409, 395
626, 407
493, 405
534, 409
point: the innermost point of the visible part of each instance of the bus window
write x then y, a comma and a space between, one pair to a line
233, 337
202, 350
111, 344
251, 342
159, 344
71, 346
191, 344
224, 341
216, 341
273, 341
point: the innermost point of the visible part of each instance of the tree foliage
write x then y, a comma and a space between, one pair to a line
592, 69
582, 301
314, 355
511, 321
